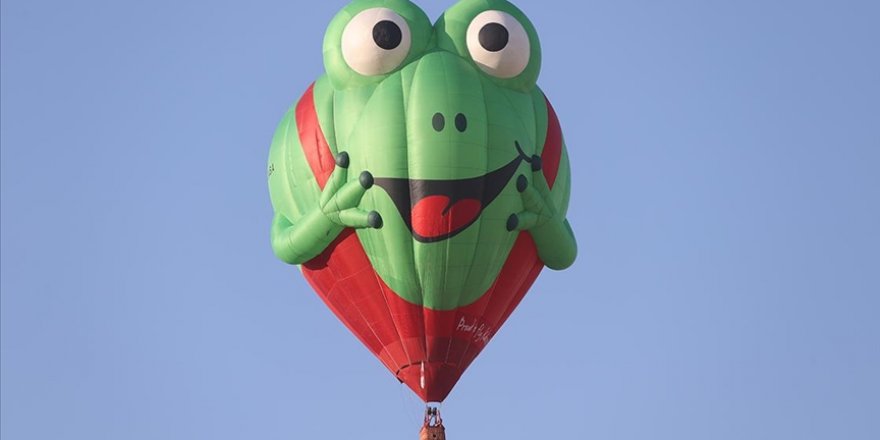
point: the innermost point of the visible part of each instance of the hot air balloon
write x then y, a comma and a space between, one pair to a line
422, 182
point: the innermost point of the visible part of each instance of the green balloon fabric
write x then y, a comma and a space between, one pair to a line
423, 182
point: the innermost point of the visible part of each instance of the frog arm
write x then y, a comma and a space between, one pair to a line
556, 244
551, 232
300, 241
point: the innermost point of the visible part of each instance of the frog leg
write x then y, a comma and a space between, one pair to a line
551, 232
296, 243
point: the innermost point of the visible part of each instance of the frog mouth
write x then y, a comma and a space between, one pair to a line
435, 210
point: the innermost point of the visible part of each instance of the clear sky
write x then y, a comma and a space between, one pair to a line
726, 197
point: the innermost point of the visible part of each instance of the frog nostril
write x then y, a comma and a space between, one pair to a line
461, 122
438, 121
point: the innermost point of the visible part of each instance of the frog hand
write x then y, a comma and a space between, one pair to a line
550, 230
341, 197
296, 243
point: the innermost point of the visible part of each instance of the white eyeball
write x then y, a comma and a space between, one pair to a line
375, 41
499, 44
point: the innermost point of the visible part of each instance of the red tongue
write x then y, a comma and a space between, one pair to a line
431, 219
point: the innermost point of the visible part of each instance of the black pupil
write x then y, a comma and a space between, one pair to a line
387, 34
493, 37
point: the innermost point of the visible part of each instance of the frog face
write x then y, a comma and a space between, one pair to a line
449, 122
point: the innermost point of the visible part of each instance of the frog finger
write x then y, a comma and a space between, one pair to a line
350, 194
533, 201
522, 221
358, 218
540, 183
337, 178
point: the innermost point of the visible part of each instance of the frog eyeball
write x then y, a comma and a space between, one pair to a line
375, 41
499, 44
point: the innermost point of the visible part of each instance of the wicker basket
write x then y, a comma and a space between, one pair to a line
437, 432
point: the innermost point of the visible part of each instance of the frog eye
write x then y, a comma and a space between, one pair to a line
499, 44
375, 41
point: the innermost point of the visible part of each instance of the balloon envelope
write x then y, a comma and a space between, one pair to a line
422, 182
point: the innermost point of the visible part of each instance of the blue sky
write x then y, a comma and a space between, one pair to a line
726, 164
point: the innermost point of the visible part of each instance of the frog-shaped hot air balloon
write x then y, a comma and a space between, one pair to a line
422, 182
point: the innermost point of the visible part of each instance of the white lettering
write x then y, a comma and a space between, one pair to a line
480, 332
